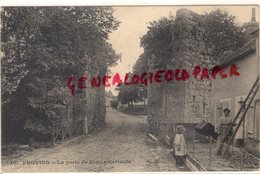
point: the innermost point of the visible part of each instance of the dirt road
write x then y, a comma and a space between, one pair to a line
121, 146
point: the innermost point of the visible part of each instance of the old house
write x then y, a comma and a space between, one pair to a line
232, 92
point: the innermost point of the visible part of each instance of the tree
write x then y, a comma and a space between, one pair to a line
222, 31
158, 40
114, 103
221, 34
140, 66
127, 94
164, 38
42, 47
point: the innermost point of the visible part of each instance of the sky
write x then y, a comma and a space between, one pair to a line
135, 19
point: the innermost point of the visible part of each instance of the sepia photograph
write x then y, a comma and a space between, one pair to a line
147, 88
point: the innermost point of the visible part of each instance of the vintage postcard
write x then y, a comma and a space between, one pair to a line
130, 88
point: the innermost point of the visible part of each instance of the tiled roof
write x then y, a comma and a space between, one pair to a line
239, 54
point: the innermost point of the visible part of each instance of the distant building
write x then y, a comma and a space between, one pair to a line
109, 97
232, 92
108, 100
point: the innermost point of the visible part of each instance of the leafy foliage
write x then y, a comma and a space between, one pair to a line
222, 31
165, 36
42, 47
158, 39
127, 95
141, 64
221, 34
114, 103
131, 93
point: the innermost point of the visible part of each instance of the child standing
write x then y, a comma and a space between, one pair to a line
179, 145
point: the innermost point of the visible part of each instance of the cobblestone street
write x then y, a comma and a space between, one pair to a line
122, 146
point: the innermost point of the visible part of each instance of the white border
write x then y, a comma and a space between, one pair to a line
124, 2
131, 3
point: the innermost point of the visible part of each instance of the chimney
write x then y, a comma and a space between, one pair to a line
251, 26
253, 15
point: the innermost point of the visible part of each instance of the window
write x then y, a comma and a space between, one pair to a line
250, 122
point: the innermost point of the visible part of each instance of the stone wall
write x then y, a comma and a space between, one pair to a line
195, 97
155, 95
190, 101
95, 104
195, 52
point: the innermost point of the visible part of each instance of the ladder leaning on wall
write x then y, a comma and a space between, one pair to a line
245, 106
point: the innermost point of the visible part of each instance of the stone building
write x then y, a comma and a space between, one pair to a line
232, 92
183, 102
191, 101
